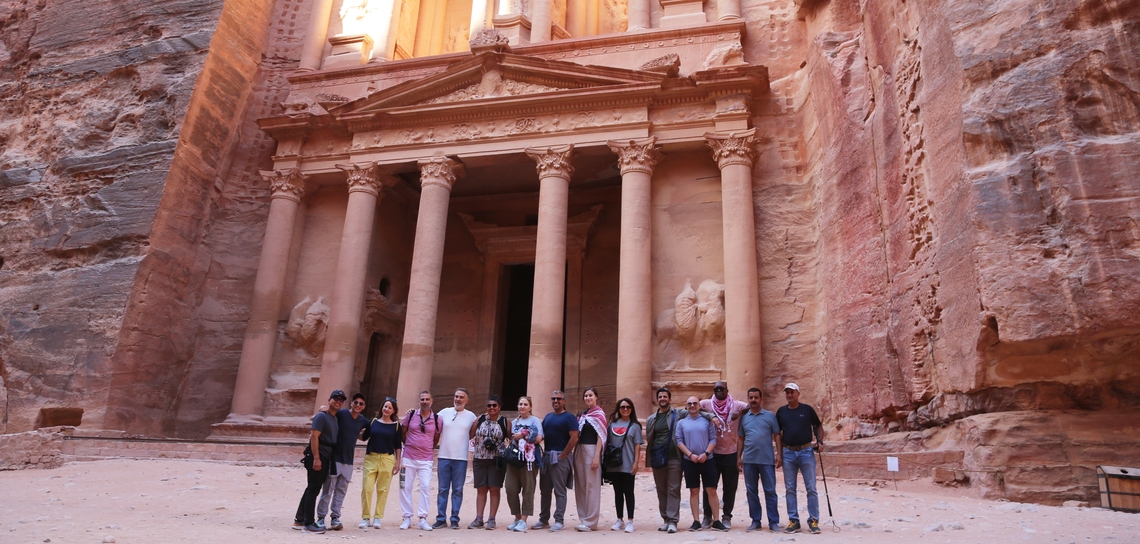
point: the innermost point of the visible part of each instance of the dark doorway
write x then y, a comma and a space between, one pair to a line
383, 371
519, 294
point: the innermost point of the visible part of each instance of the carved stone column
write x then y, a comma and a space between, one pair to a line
639, 16
734, 153
541, 12
347, 306
637, 159
316, 34
544, 372
261, 332
437, 175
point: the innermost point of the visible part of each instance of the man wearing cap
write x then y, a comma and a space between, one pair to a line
798, 423
759, 460
726, 414
350, 424
318, 461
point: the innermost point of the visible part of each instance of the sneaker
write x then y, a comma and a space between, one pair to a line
706, 523
558, 526
490, 525
321, 523
424, 525
365, 523
726, 521
672, 528
521, 527
314, 528
477, 524
775, 527
754, 527
511, 525
618, 525
439, 524
664, 527
629, 526
583, 528
376, 523
718, 526
813, 526
540, 525
336, 525
297, 526
696, 526
406, 523
455, 525
793, 527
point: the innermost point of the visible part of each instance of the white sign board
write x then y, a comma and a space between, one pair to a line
892, 464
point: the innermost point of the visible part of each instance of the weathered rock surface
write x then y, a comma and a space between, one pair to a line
42, 448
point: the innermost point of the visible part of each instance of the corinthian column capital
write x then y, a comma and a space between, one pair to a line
636, 155
732, 148
361, 177
553, 161
288, 184
439, 172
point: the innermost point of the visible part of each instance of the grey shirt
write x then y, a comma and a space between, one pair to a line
696, 433
621, 432
755, 433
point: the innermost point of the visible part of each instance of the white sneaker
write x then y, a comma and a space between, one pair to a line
583, 528
406, 523
664, 527
618, 525
424, 525
365, 523
521, 527
629, 526
672, 528
376, 523
558, 526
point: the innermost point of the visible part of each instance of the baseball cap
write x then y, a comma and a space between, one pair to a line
338, 394
792, 386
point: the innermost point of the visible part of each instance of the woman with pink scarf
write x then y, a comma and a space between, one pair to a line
588, 462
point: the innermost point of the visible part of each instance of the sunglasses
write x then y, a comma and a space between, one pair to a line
557, 398
358, 403
492, 405
625, 407
692, 403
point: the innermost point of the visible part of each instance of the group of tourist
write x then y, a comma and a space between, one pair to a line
708, 443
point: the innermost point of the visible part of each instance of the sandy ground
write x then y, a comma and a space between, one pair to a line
197, 501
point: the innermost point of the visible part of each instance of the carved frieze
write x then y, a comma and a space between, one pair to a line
492, 85
697, 317
669, 64
637, 155
489, 39
732, 148
682, 113
498, 128
362, 176
289, 183
552, 161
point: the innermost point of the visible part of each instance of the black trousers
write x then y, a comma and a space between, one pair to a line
623, 492
729, 477
306, 510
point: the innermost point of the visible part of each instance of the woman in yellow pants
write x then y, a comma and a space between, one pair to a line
381, 463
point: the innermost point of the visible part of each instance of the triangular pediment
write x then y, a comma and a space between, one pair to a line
493, 76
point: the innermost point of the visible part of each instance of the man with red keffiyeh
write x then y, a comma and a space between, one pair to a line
726, 414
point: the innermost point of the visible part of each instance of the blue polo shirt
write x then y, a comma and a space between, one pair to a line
755, 433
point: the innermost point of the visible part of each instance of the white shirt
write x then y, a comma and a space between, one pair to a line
456, 433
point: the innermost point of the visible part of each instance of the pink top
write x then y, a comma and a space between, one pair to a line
420, 442
726, 438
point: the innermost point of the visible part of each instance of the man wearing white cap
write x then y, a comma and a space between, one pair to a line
798, 423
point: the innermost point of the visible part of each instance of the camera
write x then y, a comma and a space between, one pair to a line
490, 445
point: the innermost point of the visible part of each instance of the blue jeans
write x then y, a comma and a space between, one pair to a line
803, 462
452, 474
767, 476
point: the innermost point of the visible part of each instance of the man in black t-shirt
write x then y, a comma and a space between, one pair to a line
350, 423
798, 423
322, 440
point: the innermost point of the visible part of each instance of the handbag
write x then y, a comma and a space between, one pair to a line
514, 455
612, 457
659, 456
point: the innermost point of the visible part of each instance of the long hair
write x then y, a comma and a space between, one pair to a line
395, 409
616, 415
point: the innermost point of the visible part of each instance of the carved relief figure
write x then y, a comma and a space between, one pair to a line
697, 317
307, 324
354, 16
